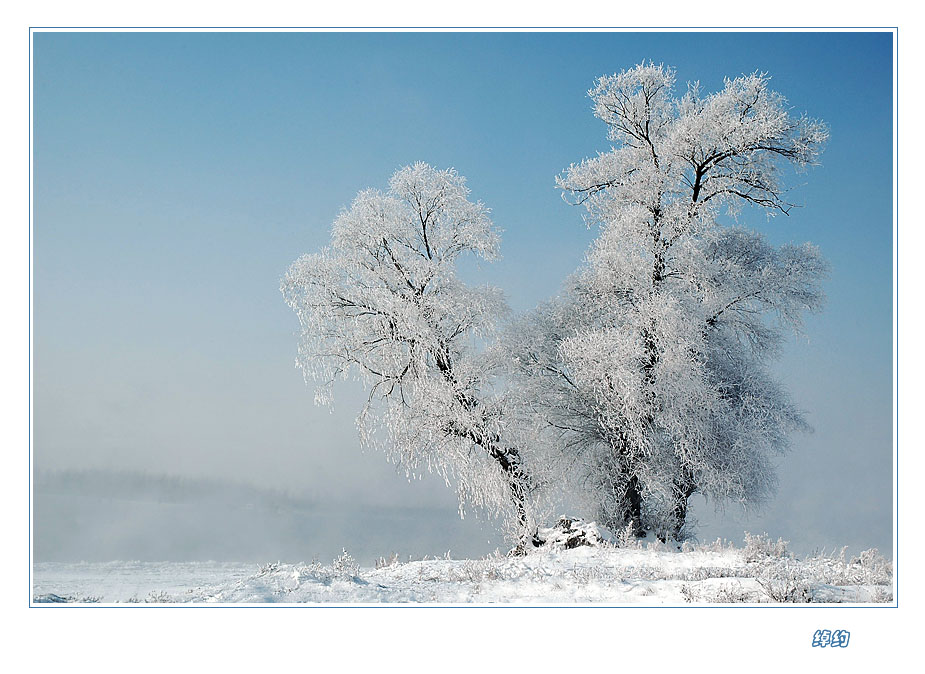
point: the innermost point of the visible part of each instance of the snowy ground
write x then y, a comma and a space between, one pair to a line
760, 572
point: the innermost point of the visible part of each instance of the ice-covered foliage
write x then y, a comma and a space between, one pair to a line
383, 303
649, 372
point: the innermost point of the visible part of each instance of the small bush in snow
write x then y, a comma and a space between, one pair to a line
590, 574
705, 572
869, 568
760, 547
475, 571
719, 545
882, 595
345, 566
785, 581
627, 538
876, 568
724, 594
157, 598
268, 568
383, 563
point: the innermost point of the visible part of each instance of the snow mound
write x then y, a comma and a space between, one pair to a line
567, 534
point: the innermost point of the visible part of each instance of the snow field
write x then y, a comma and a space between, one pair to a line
650, 574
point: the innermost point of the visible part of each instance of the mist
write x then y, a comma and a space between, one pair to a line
101, 516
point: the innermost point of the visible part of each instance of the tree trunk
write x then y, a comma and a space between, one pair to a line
508, 458
634, 498
509, 461
686, 488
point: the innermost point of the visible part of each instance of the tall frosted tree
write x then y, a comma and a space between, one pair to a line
650, 371
383, 303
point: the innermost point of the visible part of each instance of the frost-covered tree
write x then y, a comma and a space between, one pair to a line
651, 368
384, 303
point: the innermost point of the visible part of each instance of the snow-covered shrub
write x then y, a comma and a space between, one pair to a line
876, 568
627, 538
719, 545
705, 572
383, 563
270, 567
733, 594
345, 566
882, 595
314, 569
590, 574
760, 547
157, 598
728, 593
786, 581
476, 571
869, 568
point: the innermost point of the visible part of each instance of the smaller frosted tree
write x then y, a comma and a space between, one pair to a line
383, 303
651, 368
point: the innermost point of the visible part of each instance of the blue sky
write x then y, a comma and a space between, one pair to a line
176, 176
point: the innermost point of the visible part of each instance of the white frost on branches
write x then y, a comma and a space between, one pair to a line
646, 381
649, 372
383, 304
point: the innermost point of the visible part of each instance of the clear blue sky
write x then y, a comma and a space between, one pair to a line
176, 176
